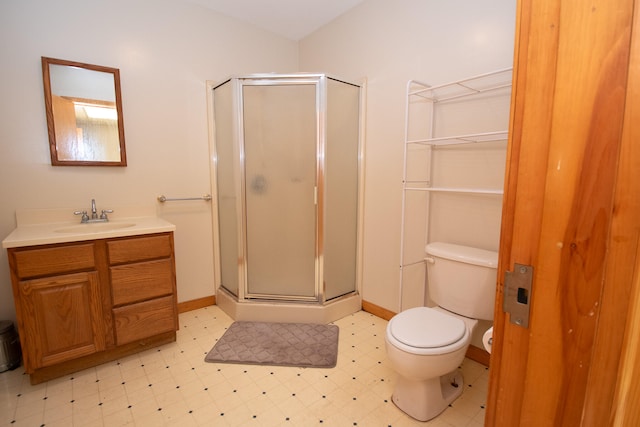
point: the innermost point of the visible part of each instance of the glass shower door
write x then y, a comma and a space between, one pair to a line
227, 188
280, 128
341, 175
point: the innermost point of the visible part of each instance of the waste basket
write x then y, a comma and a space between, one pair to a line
9, 346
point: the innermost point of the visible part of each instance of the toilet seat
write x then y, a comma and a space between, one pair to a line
424, 330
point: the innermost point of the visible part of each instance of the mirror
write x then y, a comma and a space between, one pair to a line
84, 114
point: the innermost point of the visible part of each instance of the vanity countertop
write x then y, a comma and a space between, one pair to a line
33, 229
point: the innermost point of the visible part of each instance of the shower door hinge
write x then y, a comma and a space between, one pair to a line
517, 294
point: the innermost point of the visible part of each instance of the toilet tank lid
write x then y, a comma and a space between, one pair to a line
465, 254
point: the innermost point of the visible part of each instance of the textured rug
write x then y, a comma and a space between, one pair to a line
280, 344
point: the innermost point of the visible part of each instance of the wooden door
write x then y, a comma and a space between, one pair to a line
66, 130
62, 318
572, 211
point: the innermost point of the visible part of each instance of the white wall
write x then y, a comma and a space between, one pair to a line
389, 43
166, 51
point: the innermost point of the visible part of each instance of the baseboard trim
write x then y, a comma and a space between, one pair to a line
478, 355
474, 353
195, 304
376, 310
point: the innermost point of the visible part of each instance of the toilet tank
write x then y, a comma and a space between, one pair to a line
462, 279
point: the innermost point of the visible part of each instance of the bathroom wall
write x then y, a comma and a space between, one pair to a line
166, 51
390, 43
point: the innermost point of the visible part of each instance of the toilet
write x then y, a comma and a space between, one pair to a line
425, 346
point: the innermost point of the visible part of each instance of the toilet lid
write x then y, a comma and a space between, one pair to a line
423, 327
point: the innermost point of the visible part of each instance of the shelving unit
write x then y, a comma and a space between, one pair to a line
470, 111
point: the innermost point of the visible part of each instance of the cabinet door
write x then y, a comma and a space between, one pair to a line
62, 318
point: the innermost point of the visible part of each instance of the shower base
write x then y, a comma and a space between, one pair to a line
278, 311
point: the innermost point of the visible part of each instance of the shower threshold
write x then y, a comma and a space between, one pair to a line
279, 311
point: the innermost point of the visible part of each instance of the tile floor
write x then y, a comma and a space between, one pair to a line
173, 386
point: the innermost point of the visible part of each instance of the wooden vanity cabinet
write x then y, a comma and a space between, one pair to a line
82, 304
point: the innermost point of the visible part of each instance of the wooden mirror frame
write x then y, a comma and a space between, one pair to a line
52, 122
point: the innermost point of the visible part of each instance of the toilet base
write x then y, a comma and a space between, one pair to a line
424, 400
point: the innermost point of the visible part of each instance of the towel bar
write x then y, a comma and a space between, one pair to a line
162, 199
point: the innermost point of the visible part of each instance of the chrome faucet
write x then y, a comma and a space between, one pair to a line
94, 214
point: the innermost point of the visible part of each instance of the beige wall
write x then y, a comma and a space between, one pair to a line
389, 43
166, 51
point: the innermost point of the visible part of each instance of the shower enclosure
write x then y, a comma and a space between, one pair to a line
287, 171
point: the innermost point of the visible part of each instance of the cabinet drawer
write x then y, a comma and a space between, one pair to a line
140, 248
53, 260
145, 319
141, 281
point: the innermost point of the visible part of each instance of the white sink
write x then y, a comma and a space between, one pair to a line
95, 227
51, 226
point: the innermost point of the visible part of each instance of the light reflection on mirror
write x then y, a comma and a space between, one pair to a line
84, 113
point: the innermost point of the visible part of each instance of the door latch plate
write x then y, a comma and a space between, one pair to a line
517, 294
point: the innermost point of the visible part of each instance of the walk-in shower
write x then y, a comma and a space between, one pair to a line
287, 153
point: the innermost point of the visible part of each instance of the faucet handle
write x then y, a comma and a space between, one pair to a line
85, 216
104, 213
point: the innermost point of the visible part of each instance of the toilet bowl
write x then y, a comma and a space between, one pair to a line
425, 346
